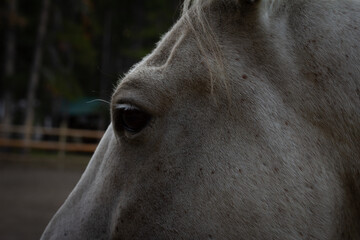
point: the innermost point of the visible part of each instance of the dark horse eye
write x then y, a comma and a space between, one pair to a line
131, 118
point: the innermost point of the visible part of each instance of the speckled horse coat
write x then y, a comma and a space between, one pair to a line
243, 123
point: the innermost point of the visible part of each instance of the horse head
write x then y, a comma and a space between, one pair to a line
243, 123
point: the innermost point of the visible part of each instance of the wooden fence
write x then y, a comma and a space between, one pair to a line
61, 144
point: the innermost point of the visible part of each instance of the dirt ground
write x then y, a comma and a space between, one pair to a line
30, 194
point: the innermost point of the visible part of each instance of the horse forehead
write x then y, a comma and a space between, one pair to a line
176, 57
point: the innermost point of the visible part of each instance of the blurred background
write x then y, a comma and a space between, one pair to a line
60, 60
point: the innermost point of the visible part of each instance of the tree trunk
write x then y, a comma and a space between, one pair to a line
10, 41
35, 69
139, 13
9, 61
105, 65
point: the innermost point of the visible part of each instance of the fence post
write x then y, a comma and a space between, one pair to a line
62, 139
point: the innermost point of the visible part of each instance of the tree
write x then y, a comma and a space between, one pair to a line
9, 58
34, 74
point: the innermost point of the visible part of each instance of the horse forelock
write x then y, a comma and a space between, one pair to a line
196, 13
268, 5
207, 40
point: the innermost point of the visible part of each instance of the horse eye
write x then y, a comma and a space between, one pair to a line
131, 118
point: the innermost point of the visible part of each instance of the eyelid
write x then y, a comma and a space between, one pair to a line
128, 104
125, 106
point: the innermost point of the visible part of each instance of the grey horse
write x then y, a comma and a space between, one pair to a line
243, 123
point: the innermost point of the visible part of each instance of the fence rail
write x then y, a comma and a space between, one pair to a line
61, 145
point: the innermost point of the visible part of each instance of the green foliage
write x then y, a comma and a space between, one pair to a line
81, 44
62, 85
